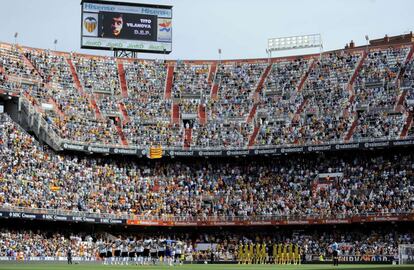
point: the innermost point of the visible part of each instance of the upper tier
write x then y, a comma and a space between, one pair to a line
338, 97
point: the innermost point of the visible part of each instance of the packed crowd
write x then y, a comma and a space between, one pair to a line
145, 83
237, 83
13, 65
190, 80
98, 75
37, 178
307, 100
323, 100
327, 98
280, 101
377, 90
221, 134
379, 125
148, 248
77, 119
19, 245
153, 133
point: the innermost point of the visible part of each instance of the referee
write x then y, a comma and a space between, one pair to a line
69, 254
335, 253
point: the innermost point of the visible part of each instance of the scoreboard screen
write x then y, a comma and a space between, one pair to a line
126, 26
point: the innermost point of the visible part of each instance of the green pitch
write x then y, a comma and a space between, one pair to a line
46, 266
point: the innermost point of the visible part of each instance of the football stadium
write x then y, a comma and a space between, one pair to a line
115, 153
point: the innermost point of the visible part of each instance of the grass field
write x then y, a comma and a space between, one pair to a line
46, 266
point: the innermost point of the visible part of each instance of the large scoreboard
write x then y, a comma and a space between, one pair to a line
110, 25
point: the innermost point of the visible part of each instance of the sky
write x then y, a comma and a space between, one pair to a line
240, 28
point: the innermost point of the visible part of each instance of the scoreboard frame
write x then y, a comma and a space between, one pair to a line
115, 48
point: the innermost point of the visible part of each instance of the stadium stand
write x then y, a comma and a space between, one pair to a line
358, 95
346, 95
189, 191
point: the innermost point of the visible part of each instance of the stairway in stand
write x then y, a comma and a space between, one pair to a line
169, 82
408, 124
187, 137
95, 107
252, 139
124, 113
75, 77
79, 87
263, 78
401, 97
175, 115
121, 134
122, 80
256, 94
252, 113
202, 114
351, 130
305, 76
212, 81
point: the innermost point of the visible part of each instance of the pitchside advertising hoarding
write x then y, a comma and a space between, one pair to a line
126, 26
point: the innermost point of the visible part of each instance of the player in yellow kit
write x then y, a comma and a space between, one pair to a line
274, 253
291, 254
257, 254
263, 253
297, 254
246, 253
284, 254
251, 251
279, 253
240, 253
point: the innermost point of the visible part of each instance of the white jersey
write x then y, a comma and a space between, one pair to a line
154, 248
161, 248
178, 250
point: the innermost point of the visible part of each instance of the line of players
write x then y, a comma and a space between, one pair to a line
251, 253
142, 252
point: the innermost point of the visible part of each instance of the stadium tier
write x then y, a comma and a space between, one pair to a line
344, 188
341, 97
